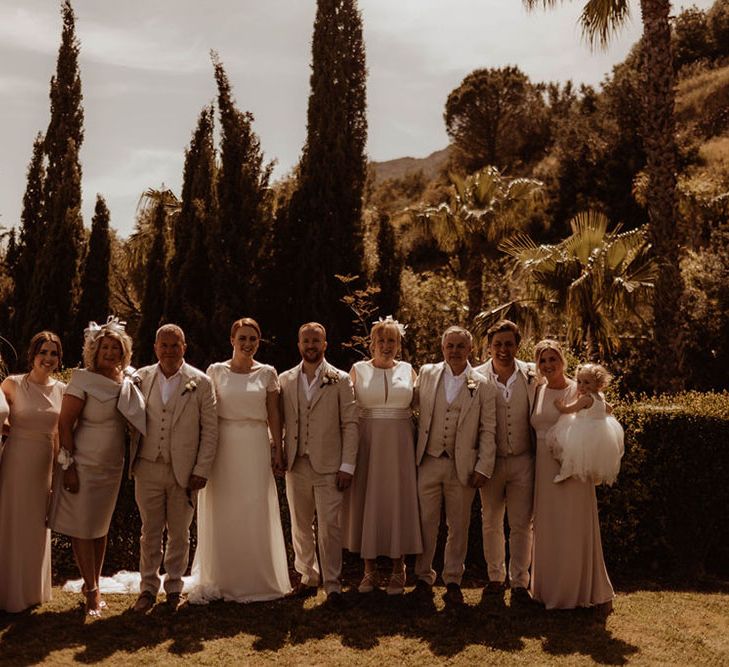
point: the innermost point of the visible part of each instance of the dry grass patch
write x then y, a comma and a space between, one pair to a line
648, 627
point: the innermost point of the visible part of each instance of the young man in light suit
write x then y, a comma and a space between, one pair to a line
320, 446
511, 487
171, 463
455, 455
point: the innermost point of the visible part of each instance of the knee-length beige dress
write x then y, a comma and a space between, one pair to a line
25, 484
568, 568
380, 512
99, 456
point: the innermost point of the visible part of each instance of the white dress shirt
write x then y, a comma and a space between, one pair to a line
167, 385
506, 389
310, 389
454, 383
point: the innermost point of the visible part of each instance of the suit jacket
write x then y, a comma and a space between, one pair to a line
194, 426
475, 446
527, 371
333, 427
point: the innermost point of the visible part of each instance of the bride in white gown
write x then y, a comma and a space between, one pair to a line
241, 555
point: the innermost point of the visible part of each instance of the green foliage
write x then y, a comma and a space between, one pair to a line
690, 32
55, 277
322, 230
666, 513
706, 275
153, 300
190, 299
430, 302
717, 22
497, 117
244, 216
389, 267
483, 209
594, 280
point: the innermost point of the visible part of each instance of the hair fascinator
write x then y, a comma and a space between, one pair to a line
391, 321
113, 324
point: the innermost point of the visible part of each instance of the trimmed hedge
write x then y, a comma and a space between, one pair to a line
667, 515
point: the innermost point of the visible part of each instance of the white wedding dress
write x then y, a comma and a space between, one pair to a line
241, 555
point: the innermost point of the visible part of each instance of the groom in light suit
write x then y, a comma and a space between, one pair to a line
511, 487
455, 455
171, 463
320, 446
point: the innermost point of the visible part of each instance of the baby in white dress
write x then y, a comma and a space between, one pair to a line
586, 440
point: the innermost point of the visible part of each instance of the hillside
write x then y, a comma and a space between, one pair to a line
400, 167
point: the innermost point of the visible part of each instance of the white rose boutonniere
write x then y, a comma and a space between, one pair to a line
531, 376
190, 386
330, 377
471, 385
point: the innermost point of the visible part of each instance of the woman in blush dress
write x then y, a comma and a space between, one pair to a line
568, 569
98, 401
241, 555
25, 476
381, 506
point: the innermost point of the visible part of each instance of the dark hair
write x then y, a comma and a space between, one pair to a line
502, 326
37, 342
245, 322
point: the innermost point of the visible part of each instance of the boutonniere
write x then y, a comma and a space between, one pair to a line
190, 386
471, 385
531, 375
330, 377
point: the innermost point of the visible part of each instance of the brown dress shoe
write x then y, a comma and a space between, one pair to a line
176, 601
302, 591
453, 595
144, 602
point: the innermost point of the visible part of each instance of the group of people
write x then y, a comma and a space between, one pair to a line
358, 474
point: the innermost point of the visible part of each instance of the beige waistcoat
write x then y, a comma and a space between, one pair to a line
156, 444
443, 427
513, 436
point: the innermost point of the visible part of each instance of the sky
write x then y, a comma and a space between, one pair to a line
146, 73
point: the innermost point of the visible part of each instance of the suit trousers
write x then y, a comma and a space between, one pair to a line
162, 503
438, 481
510, 489
308, 493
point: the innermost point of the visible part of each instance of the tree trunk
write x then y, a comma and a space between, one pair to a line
661, 154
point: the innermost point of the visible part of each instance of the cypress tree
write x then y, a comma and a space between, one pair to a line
153, 300
389, 267
29, 243
94, 302
190, 299
54, 282
244, 212
9, 264
324, 216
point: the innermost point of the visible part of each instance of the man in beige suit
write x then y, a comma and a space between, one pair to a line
511, 487
171, 463
320, 445
455, 455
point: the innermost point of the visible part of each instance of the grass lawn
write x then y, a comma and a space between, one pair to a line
648, 627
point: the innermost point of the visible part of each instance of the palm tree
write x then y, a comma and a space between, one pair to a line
600, 18
593, 281
484, 208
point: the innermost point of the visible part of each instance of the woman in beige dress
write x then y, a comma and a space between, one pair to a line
568, 569
381, 506
25, 476
91, 458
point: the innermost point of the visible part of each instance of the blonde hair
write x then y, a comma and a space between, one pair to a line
600, 373
548, 344
245, 322
379, 328
91, 347
313, 325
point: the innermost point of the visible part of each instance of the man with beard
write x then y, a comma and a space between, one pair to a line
320, 445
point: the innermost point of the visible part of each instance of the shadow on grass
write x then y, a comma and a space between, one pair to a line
362, 625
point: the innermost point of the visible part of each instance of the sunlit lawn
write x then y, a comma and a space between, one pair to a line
648, 627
